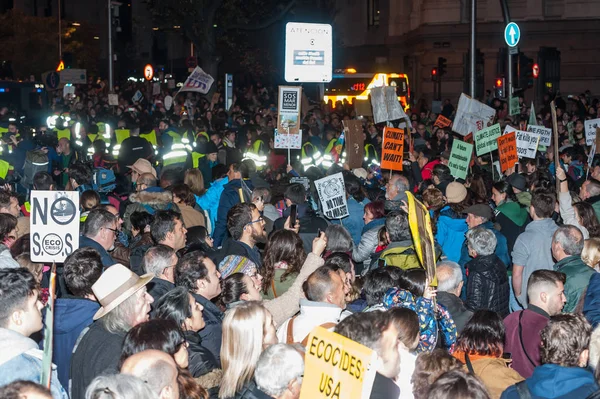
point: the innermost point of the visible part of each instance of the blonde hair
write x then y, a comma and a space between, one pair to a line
195, 181
243, 337
591, 252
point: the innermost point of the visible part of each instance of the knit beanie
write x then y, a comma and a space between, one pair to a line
455, 193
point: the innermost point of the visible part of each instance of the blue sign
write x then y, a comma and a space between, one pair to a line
53, 80
512, 34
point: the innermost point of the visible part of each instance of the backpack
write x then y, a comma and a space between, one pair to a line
403, 257
35, 161
104, 180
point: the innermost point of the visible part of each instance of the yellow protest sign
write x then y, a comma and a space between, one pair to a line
420, 229
336, 367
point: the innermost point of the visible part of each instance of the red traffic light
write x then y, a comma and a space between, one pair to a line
498, 82
434, 71
536, 70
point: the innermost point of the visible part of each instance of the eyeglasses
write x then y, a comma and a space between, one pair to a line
259, 220
113, 230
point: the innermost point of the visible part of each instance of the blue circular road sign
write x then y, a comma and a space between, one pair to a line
512, 34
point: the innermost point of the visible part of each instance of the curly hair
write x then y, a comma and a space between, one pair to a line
283, 246
564, 338
428, 367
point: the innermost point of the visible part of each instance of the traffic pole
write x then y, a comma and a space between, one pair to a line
473, 48
110, 49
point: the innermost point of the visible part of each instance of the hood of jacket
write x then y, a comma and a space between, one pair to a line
552, 380
514, 211
73, 314
158, 198
14, 344
485, 263
453, 220
373, 224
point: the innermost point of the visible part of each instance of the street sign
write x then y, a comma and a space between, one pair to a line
512, 34
52, 80
308, 52
61, 66
73, 76
148, 72
191, 62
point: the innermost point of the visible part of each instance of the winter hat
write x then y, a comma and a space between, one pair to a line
517, 181
455, 193
481, 210
211, 148
236, 264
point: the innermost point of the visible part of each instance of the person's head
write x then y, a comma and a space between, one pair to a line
80, 174
37, 269
397, 184
195, 181
343, 262
478, 214
501, 192
157, 369
428, 367
279, 371
160, 261
247, 330
81, 271
9, 203
183, 195
89, 199
565, 341
377, 331
441, 173
140, 167
586, 216
396, 226
145, 181
567, 241
407, 324
20, 307
450, 278
235, 171
168, 229
245, 223
140, 222
374, 210
546, 290
376, 283
542, 205
295, 194
353, 186
458, 384
338, 239
198, 274
282, 246
8, 229
118, 386
160, 334
433, 198
43, 181
239, 287
23, 389
483, 335
591, 252
327, 286
590, 188
481, 242
102, 227
180, 306
413, 281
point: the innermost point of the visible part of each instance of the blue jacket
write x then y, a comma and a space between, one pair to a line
229, 197
210, 200
20, 359
451, 229
71, 317
501, 247
551, 381
354, 222
107, 260
211, 334
591, 305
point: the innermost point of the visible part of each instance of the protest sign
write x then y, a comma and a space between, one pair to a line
514, 107
355, 148
69, 91
460, 157
137, 96
472, 116
54, 225
337, 367
285, 140
46, 374
544, 132
527, 144
590, 130
419, 221
507, 151
156, 89
288, 110
485, 139
113, 99
598, 137
442, 122
591, 156
386, 106
392, 148
363, 108
332, 193
198, 81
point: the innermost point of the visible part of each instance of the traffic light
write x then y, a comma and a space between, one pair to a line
499, 87
536, 71
434, 74
525, 71
442, 66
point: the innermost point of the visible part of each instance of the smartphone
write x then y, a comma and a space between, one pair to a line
319, 233
293, 215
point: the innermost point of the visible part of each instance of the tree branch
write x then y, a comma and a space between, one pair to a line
268, 22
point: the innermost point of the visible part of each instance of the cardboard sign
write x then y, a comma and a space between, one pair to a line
113, 99
419, 221
544, 132
392, 153
68, 91
291, 141
514, 107
288, 110
386, 106
472, 116
590, 130
507, 151
46, 374
337, 367
54, 225
527, 144
485, 139
460, 157
355, 149
332, 193
198, 81
442, 122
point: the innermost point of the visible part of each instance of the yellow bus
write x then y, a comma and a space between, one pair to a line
349, 85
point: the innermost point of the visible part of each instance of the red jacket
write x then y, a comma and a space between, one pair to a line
426, 172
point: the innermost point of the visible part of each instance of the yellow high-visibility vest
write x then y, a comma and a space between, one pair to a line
151, 137
63, 133
121, 135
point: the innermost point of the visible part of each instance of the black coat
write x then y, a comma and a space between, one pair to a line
487, 285
460, 314
251, 391
201, 360
211, 334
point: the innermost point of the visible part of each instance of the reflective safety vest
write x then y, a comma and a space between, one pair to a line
4, 168
101, 127
256, 146
330, 145
151, 137
305, 146
121, 135
92, 137
175, 156
370, 153
63, 133
3, 130
196, 157
175, 136
203, 134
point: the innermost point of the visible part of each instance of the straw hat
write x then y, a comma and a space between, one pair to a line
143, 166
115, 285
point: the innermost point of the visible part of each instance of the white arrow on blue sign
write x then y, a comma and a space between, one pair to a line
512, 34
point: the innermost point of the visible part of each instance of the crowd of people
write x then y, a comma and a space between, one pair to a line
205, 259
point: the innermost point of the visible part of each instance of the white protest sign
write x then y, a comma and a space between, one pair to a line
527, 142
486, 139
137, 96
113, 99
68, 91
471, 116
590, 130
544, 132
168, 102
308, 52
332, 193
198, 81
156, 89
288, 110
386, 106
54, 225
75, 76
591, 155
291, 141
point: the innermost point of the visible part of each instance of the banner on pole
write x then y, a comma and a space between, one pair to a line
507, 150
472, 116
283, 140
332, 194
485, 139
419, 221
198, 81
386, 106
46, 374
392, 153
590, 130
544, 132
442, 122
460, 157
355, 148
514, 107
288, 110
